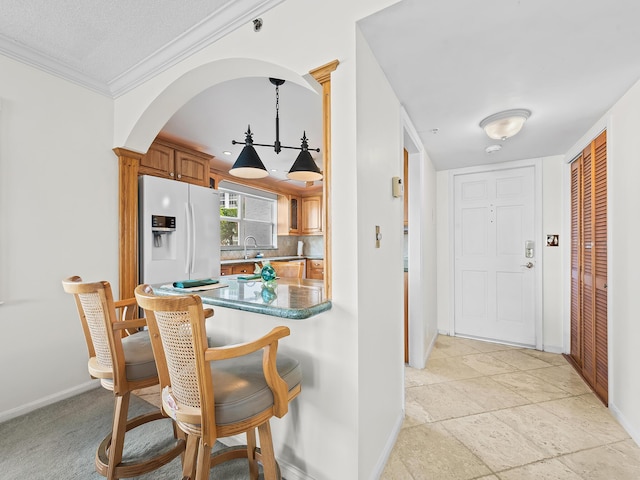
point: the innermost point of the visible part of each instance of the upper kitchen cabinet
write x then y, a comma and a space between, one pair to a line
311, 215
299, 215
289, 215
176, 162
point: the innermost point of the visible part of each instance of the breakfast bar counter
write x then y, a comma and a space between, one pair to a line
292, 298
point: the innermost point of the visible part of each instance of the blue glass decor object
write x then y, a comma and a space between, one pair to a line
268, 273
268, 292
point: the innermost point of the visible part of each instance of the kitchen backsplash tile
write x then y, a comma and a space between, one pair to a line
287, 246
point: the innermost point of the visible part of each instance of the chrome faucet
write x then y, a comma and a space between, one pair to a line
255, 244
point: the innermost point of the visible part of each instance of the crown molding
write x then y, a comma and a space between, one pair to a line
220, 23
213, 27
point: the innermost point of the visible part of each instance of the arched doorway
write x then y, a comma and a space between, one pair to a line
141, 135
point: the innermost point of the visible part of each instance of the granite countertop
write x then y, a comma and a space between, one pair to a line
258, 260
294, 299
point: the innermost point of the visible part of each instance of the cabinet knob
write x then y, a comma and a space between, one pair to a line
171, 174
179, 176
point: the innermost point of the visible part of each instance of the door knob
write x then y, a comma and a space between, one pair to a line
528, 265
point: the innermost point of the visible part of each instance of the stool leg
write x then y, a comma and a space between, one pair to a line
120, 412
189, 457
266, 449
251, 454
204, 461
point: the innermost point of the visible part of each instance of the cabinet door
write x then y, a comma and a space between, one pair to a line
289, 215
294, 215
191, 168
242, 268
158, 162
225, 270
315, 269
312, 215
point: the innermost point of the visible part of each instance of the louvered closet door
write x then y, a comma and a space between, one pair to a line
589, 265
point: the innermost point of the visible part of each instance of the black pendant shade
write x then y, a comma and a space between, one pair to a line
248, 164
304, 168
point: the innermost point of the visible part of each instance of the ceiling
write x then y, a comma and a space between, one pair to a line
450, 63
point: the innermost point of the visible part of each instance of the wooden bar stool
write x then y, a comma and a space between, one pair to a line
222, 391
122, 358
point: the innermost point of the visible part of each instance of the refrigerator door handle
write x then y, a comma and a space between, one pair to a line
189, 233
194, 236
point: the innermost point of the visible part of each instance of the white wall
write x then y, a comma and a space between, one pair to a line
58, 217
623, 196
552, 189
336, 345
423, 298
380, 270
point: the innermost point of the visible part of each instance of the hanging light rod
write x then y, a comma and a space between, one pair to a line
249, 165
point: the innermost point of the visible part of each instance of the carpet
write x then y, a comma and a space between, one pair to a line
59, 441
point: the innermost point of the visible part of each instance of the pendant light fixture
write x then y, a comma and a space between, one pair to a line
249, 165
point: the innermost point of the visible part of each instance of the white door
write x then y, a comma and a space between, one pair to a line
494, 279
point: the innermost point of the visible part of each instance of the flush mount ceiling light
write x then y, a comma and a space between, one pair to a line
249, 165
503, 125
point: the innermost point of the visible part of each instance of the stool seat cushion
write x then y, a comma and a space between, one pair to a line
240, 389
138, 355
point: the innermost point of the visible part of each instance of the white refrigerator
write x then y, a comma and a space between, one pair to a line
179, 231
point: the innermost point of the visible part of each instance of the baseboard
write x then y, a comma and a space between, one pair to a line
391, 441
288, 471
552, 349
633, 433
48, 400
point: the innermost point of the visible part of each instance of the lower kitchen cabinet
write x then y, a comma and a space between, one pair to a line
315, 269
242, 268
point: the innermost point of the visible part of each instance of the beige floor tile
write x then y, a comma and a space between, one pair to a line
395, 469
432, 403
552, 358
430, 452
488, 393
495, 443
548, 432
485, 346
520, 360
530, 387
618, 461
564, 377
487, 364
438, 353
453, 346
587, 412
440, 370
488, 477
545, 470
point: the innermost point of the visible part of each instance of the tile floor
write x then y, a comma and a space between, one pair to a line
492, 412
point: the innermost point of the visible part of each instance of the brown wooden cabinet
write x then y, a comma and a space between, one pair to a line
289, 215
315, 269
226, 270
240, 268
175, 162
311, 215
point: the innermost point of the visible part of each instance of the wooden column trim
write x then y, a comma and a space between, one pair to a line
323, 77
128, 166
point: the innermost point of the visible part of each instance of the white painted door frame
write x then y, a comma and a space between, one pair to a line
537, 166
